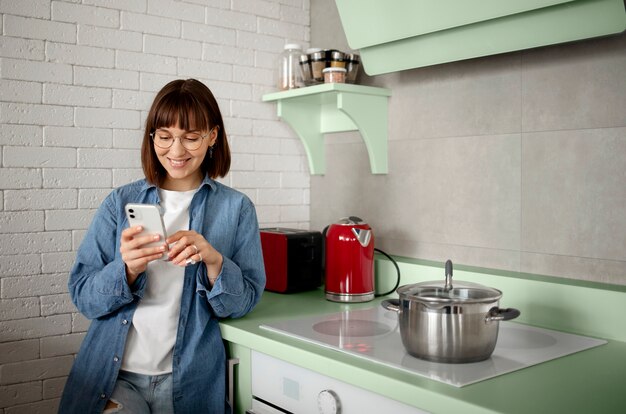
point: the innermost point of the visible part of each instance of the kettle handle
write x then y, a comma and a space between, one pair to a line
324, 251
325, 231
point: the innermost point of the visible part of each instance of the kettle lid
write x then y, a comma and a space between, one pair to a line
351, 221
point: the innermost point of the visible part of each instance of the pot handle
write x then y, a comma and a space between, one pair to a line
498, 314
391, 304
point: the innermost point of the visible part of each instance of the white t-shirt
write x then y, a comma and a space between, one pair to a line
154, 326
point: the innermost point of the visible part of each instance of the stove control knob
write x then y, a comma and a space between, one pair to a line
328, 402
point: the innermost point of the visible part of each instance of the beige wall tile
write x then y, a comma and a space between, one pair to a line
574, 193
575, 86
475, 97
581, 268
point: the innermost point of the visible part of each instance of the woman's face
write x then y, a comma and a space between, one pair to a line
182, 164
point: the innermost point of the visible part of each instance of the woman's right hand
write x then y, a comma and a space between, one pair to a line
135, 255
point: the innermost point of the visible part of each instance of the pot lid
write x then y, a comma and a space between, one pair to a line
435, 292
447, 292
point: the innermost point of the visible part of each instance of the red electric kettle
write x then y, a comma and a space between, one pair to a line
349, 262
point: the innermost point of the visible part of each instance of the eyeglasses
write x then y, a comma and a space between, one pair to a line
190, 141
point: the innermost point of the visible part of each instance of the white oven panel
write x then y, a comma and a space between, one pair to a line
290, 388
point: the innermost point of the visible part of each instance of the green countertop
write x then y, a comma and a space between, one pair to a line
589, 381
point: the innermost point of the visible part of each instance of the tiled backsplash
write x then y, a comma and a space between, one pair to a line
514, 161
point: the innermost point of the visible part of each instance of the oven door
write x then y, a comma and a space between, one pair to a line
281, 387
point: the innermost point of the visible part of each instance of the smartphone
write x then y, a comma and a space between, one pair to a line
149, 217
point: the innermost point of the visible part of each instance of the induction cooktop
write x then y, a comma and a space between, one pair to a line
373, 333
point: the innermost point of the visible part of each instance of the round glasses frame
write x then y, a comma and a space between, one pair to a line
190, 144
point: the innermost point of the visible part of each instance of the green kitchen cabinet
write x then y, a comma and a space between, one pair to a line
405, 34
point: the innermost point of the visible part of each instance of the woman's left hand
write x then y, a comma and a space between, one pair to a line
190, 247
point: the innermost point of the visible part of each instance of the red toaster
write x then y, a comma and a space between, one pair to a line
293, 259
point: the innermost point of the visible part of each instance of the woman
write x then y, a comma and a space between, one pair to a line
154, 344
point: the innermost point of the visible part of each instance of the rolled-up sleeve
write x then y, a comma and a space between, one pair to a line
97, 283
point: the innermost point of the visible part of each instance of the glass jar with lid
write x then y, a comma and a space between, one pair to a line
318, 63
334, 74
289, 74
352, 67
305, 68
337, 59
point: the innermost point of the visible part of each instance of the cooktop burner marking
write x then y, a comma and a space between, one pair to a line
351, 328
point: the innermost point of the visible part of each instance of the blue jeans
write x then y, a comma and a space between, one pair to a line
139, 394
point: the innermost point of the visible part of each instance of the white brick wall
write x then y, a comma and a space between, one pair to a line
76, 80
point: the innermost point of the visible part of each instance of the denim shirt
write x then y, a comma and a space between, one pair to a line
99, 289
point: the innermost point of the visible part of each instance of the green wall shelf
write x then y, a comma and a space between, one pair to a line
336, 107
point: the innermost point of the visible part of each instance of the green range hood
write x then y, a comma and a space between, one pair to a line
394, 35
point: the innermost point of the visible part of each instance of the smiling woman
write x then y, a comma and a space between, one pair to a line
154, 343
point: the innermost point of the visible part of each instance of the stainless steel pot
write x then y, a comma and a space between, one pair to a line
444, 323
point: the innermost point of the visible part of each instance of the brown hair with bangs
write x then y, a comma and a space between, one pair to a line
190, 105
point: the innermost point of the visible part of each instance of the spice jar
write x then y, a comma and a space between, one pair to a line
318, 63
352, 67
334, 75
305, 69
337, 59
289, 75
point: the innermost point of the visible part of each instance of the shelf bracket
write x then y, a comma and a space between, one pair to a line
305, 120
316, 110
369, 113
